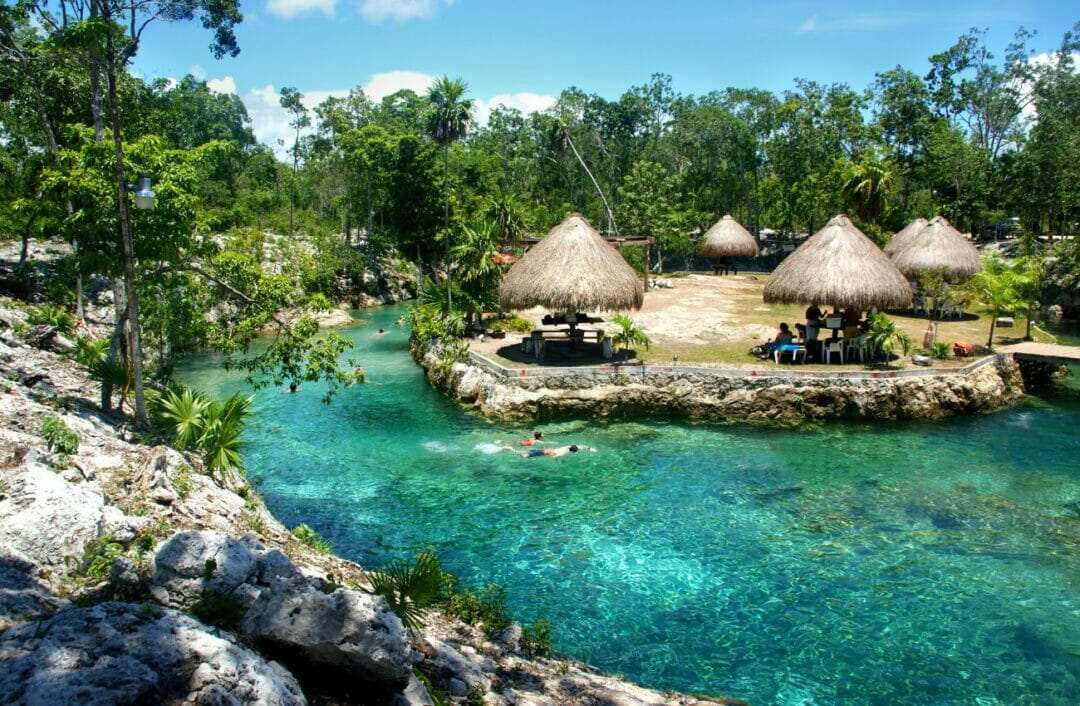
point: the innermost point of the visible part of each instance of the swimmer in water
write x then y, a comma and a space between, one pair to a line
380, 332
554, 453
537, 438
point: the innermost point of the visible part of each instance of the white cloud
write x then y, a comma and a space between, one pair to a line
270, 121
807, 26
379, 11
222, 85
198, 72
288, 9
863, 22
524, 101
383, 84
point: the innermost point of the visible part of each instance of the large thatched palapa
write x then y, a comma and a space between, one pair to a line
572, 269
939, 247
841, 267
727, 238
903, 237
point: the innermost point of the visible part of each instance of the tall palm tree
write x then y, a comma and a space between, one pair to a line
560, 139
866, 189
449, 123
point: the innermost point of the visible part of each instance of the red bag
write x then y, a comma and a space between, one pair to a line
962, 350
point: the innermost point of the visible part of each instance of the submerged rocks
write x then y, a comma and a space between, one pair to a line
120, 653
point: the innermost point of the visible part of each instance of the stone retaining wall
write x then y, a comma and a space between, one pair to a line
791, 396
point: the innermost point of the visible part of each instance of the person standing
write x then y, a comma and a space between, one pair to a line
813, 324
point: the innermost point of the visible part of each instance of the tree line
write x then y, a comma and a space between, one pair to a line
979, 138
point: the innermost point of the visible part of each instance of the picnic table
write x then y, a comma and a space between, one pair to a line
536, 340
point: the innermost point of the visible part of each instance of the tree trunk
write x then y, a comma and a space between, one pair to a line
134, 341
993, 323
446, 225
612, 225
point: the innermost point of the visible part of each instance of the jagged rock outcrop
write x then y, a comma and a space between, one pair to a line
121, 653
737, 395
342, 631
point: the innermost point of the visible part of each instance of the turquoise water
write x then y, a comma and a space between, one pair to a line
921, 563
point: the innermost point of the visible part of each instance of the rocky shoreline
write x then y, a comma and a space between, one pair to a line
117, 561
633, 391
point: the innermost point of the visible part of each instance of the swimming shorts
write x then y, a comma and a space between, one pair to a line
533, 453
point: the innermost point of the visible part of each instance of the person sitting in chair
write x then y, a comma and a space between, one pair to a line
784, 337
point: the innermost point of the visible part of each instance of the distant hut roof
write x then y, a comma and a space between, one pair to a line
572, 269
938, 246
901, 238
839, 266
727, 238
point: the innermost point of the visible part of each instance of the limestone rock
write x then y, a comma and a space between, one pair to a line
415, 694
190, 562
445, 665
345, 631
120, 653
152, 478
45, 519
22, 597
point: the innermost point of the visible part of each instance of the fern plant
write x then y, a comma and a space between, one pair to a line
59, 437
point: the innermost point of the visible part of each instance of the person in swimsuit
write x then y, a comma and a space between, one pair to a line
555, 453
537, 438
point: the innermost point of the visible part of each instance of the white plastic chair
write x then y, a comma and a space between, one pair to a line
855, 346
831, 347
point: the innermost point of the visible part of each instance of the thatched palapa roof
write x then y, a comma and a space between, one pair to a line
938, 246
572, 269
841, 267
903, 237
727, 238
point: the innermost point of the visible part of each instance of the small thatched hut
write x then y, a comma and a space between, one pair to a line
727, 238
903, 237
841, 267
573, 269
941, 247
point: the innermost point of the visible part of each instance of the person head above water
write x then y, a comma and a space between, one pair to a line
573, 448
538, 435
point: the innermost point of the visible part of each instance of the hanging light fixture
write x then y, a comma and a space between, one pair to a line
144, 195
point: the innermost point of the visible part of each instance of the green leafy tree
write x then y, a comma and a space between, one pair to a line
293, 102
998, 286
649, 206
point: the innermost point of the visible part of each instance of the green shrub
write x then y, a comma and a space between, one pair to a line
181, 481
512, 323
99, 555
311, 538
410, 588
940, 350
58, 436
54, 316
213, 428
487, 610
536, 638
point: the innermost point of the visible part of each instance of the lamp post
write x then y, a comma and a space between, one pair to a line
144, 199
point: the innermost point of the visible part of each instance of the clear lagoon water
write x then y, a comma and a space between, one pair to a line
932, 562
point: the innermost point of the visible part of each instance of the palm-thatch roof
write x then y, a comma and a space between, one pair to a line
727, 238
941, 247
903, 237
841, 267
572, 269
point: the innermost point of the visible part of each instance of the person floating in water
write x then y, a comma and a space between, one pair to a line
380, 332
537, 438
401, 321
554, 453
293, 386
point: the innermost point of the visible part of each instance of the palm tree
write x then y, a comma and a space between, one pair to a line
506, 210
449, 123
560, 139
884, 335
866, 189
1000, 287
629, 334
479, 281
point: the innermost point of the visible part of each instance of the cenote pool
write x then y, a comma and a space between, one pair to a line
921, 563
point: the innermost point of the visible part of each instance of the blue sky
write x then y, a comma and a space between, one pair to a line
524, 53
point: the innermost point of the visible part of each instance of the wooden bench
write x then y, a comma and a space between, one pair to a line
534, 342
